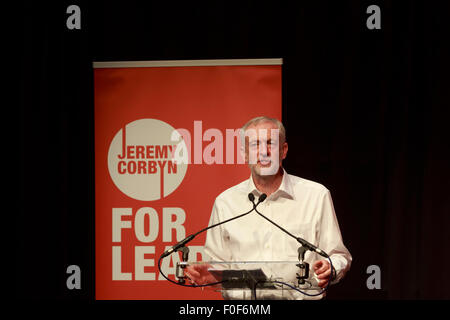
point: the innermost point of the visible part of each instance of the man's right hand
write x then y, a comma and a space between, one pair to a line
198, 274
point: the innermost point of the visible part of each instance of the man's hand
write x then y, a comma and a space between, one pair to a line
198, 274
323, 271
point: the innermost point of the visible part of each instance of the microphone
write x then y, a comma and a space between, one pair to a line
261, 198
183, 242
302, 241
312, 247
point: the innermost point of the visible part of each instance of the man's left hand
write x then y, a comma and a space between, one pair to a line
323, 271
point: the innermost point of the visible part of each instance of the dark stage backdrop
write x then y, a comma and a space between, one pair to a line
366, 113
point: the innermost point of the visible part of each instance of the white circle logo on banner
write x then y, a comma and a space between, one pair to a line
141, 160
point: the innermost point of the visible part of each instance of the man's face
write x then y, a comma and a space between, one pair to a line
264, 151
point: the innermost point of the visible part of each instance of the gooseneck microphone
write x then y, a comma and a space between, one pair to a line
183, 242
302, 241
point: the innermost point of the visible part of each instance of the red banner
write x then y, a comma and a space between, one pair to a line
166, 144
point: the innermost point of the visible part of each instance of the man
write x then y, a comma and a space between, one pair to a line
302, 207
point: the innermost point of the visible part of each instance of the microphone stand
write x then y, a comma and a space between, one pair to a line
303, 266
179, 273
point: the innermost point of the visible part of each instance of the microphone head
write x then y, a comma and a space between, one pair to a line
262, 197
251, 197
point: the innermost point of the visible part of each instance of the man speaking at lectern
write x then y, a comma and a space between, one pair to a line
304, 208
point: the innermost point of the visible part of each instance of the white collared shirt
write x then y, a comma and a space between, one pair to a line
302, 207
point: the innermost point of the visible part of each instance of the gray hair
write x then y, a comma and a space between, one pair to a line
260, 119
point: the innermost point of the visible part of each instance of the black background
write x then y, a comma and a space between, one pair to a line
366, 113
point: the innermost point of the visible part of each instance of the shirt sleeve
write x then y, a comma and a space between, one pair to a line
216, 247
330, 239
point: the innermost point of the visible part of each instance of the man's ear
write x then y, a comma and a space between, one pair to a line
284, 150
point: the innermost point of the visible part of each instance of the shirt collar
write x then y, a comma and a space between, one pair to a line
285, 188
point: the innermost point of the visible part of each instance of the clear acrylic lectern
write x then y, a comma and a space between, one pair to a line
245, 280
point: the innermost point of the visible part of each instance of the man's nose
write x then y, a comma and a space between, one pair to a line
264, 149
